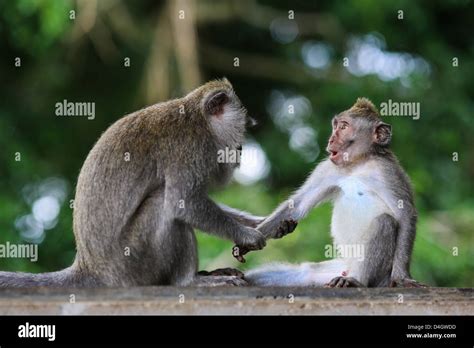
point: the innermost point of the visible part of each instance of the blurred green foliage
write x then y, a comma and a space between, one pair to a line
81, 59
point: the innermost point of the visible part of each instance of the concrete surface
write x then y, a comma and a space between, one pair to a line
234, 300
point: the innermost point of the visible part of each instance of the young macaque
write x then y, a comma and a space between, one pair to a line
373, 213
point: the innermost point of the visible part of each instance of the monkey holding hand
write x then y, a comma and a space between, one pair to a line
142, 190
373, 210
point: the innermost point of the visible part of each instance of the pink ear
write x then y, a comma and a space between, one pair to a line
383, 134
215, 104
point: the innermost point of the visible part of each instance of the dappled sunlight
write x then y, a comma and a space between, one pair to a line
290, 113
254, 165
283, 30
316, 55
45, 199
368, 55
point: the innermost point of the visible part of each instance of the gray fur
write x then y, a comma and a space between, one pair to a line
378, 262
400, 186
391, 235
150, 204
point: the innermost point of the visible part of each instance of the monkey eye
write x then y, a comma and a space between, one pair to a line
343, 125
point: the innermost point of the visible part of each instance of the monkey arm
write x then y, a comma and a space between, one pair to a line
242, 217
320, 186
198, 210
202, 213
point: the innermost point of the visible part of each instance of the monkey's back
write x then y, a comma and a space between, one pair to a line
137, 155
113, 181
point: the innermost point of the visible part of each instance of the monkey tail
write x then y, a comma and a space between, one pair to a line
305, 274
65, 278
278, 274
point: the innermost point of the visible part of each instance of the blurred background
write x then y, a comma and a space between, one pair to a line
294, 65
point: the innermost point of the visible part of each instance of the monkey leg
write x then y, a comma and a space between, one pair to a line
378, 261
223, 272
184, 259
376, 265
211, 281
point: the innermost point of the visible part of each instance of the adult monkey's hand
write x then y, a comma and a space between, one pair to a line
286, 226
238, 252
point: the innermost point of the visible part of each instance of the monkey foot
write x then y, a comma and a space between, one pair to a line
211, 281
344, 282
223, 272
407, 283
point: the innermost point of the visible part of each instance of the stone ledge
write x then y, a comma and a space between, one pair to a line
163, 300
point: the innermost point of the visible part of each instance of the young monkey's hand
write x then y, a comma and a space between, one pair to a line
286, 227
272, 228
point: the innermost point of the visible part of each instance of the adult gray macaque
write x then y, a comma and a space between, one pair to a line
142, 190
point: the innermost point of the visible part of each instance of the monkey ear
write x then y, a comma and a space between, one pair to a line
215, 103
383, 134
225, 80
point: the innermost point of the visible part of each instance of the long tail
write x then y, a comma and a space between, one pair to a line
305, 274
68, 277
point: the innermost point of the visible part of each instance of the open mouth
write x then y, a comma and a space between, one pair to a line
333, 154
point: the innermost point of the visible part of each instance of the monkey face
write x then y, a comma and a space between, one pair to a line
341, 139
354, 137
227, 118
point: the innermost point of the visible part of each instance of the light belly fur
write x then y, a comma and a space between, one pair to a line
353, 218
